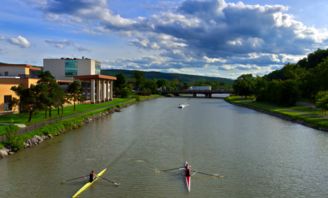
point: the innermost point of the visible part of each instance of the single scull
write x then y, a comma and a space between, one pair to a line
87, 185
187, 173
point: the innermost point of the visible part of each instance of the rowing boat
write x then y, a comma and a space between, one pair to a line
87, 185
188, 178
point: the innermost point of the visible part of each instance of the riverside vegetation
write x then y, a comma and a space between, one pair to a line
296, 92
70, 120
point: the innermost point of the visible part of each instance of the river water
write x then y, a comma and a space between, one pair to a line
258, 155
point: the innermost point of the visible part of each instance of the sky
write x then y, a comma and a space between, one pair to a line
221, 38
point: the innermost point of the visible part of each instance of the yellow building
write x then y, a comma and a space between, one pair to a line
14, 75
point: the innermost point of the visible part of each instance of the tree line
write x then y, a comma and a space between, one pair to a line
307, 79
140, 85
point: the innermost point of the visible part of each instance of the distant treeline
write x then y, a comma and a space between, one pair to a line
307, 79
146, 83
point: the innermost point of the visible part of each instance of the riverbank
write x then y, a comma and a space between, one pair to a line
37, 132
302, 114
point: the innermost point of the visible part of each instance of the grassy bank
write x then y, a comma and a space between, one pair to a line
70, 120
303, 114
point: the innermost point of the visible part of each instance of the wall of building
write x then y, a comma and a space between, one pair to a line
7, 83
56, 67
5, 89
14, 71
85, 67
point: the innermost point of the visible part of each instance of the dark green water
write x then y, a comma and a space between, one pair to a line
259, 155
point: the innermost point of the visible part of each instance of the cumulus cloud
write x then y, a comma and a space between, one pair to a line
65, 44
20, 41
199, 33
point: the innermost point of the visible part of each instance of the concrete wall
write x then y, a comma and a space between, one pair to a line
56, 67
84, 67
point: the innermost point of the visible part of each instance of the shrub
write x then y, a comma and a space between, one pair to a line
14, 141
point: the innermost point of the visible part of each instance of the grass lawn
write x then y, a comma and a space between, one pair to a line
81, 110
309, 115
68, 110
2, 129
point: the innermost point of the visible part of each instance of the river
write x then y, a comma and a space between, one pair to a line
258, 155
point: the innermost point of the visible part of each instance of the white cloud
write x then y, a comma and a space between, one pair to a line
20, 41
61, 44
200, 34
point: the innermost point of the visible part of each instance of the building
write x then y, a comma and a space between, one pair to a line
14, 75
96, 88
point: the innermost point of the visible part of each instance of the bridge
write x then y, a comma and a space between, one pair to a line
194, 93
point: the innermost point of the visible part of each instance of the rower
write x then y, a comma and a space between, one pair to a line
187, 169
92, 176
186, 165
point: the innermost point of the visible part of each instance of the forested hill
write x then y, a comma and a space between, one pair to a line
167, 76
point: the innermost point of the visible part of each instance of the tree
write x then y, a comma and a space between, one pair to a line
50, 93
120, 81
29, 101
59, 100
140, 78
322, 100
121, 89
74, 92
244, 85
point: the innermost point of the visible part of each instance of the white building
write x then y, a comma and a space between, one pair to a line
67, 68
96, 87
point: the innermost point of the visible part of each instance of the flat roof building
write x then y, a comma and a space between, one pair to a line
67, 68
96, 88
14, 75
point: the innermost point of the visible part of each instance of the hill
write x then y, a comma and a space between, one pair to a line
167, 76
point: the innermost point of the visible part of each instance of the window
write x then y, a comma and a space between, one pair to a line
7, 103
98, 67
70, 68
6, 73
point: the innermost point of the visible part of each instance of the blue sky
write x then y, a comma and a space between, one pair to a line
223, 38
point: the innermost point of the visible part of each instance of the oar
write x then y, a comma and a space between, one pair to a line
111, 181
74, 178
171, 169
208, 174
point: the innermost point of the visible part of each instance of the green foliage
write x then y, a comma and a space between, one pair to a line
322, 100
121, 88
13, 141
8, 128
126, 92
137, 98
304, 114
313, 59
74, 92
139, 79
184, 78
278, 92
29, 99
120, 81
244, 85
285, 86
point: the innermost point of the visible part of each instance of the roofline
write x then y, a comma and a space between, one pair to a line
97, 76
21, 65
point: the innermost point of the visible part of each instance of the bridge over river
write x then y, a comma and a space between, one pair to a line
195, 93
